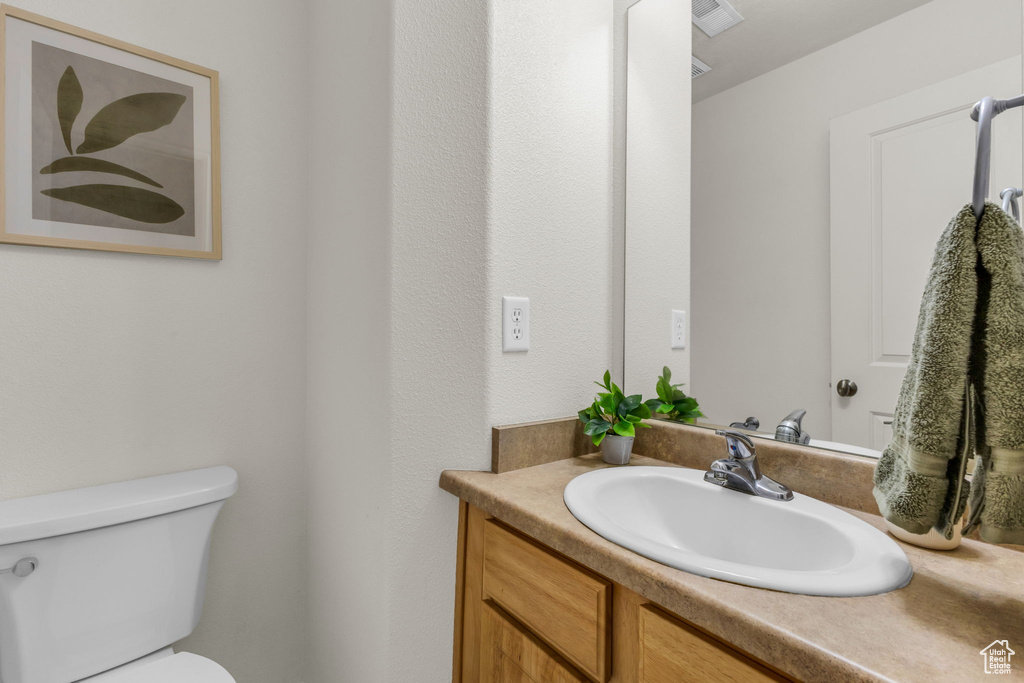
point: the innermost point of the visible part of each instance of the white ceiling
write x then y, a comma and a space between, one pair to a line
776, 32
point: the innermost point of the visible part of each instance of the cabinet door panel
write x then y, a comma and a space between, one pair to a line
673, 652
563, 603
509, 654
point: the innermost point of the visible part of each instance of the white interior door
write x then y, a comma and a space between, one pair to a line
900, 170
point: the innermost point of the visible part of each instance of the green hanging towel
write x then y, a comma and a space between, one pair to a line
963, 393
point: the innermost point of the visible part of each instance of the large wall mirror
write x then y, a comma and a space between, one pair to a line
830, 145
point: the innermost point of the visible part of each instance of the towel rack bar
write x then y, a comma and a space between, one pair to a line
999, 106
1009, 197
983, 112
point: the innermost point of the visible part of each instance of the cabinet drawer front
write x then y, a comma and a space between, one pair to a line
564, 604
673, 652
511, 655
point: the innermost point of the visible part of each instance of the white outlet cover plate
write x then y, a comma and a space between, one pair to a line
678, 329
515, 323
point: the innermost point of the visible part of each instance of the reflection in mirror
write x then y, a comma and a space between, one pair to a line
829, 151
657, 204
819, 189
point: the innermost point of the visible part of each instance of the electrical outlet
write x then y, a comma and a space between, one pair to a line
678, 329
515, 323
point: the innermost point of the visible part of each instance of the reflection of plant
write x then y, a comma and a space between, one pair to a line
613, 411
672, 402
112, 125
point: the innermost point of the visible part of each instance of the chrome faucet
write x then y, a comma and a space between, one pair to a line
740, 471
791, 430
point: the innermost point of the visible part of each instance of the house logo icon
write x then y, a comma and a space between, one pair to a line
997, 657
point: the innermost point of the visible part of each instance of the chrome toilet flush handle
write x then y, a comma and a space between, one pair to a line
22, 567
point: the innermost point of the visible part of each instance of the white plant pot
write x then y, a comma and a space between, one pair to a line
615, 449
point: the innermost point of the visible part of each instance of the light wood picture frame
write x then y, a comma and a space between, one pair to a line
107, 146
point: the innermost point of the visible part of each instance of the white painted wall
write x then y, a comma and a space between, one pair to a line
550, 233
494, 124
657, 191
439, 385
117, 366
349, 351
760, 214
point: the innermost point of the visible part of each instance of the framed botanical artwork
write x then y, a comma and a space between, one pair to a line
106, 145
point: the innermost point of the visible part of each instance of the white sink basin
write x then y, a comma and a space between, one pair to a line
673, 516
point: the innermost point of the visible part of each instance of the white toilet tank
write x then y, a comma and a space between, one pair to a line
119, 572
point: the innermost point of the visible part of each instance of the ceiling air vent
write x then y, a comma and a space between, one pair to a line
714, 16
697, 67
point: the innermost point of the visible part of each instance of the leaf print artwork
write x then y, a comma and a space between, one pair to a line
108, 146
113, 147
110, 127
129, 116
71, 164
69, 103
130, 202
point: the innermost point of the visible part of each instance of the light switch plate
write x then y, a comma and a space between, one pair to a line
678, 329
515, 323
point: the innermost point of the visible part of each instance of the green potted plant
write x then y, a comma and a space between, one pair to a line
611, 421
672, 402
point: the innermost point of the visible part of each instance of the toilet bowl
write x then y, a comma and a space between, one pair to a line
96, 584
166, 667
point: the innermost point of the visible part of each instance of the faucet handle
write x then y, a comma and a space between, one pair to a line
791, 428
740, 445
796, 417
751, 423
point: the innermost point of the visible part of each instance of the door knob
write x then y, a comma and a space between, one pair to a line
846, 388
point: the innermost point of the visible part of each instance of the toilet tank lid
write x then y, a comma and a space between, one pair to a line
66, 512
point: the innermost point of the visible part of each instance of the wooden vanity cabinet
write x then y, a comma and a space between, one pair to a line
524, 613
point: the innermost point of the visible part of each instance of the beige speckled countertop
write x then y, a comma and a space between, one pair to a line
932, 630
